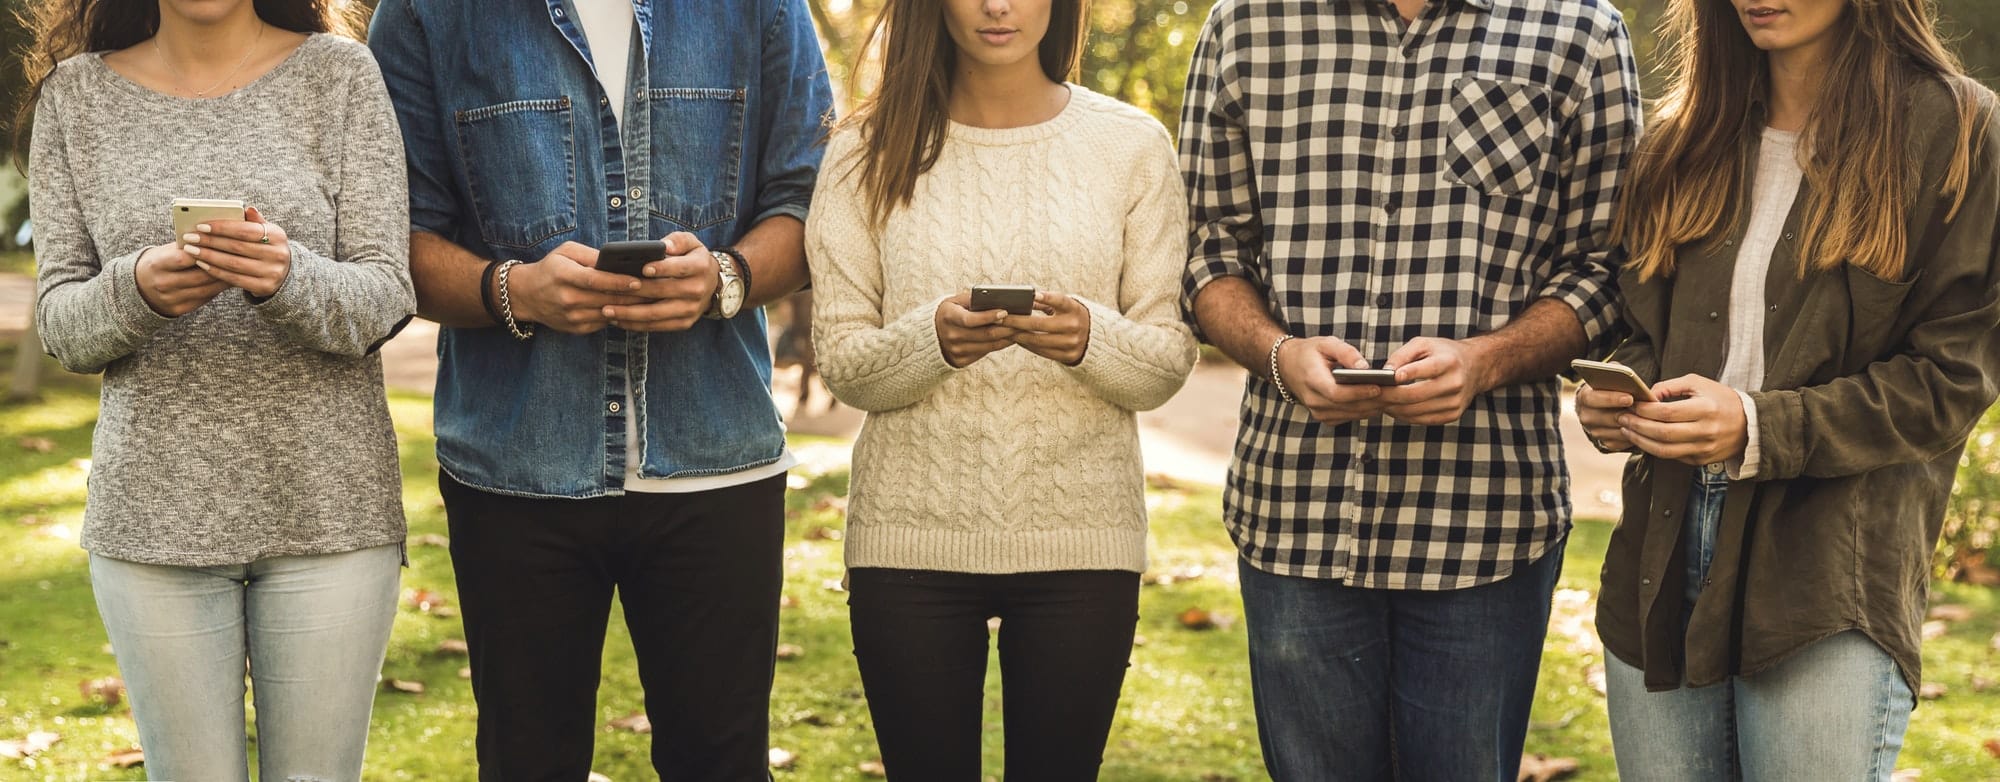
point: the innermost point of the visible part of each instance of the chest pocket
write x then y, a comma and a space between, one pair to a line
697, 155
520, 164
1496, 135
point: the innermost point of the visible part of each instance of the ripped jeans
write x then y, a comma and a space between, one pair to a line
312, 629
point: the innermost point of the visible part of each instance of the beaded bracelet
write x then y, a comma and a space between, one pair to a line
1276, 379
507, 304
486, 292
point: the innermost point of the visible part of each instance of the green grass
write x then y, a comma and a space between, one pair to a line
1186, 712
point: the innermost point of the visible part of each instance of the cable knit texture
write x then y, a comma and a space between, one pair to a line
1015, 463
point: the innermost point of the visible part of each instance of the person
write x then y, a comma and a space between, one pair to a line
1422, 187
599, 431
1812, 224
245, 500
998, 472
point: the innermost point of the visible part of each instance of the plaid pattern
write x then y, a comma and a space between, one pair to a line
1383, 183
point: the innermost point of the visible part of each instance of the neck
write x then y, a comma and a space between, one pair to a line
1004, 96
199, 46
1795, 86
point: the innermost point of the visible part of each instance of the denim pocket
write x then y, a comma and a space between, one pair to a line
520, 163
1496, 135
697, 154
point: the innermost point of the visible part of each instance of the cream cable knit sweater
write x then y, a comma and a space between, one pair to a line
1015, 463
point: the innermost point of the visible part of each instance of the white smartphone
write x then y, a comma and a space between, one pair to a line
190, 212
1606, 376
1365, 377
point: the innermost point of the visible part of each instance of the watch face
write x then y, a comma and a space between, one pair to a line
731, 297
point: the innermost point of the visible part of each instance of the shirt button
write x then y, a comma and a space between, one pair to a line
1399, 131
1788, 236
1645, 582
1363, 459
617, 202
634, 193
1729, 242
614, 407
1383, 300
1669, 513
1714, 315
1715, 469
1774, 308
559, 13
602, 101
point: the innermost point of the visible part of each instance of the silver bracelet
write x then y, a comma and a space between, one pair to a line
507, 304
1277, 380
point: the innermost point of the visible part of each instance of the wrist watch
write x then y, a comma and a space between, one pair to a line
729, 295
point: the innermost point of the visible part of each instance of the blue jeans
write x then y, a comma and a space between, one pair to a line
1339, 672
1836, 710
313, 630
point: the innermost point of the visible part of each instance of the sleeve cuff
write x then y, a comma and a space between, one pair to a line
134, 315
795, 210
293, 297
1744, 467
1590, 298
921, 324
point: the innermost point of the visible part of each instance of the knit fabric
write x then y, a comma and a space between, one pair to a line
1015, 463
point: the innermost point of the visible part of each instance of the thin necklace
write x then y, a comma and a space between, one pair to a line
181, 77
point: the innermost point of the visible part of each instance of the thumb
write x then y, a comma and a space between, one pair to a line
251, 214
1340, 353
1683, 386
681, 243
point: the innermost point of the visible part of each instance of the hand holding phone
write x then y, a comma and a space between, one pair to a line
1607, 376
630, 258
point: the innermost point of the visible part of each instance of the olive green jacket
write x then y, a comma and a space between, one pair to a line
1870, 389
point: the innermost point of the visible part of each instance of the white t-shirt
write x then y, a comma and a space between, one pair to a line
603, 22
1772, 192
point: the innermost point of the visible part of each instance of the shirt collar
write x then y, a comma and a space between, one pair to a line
1483, 5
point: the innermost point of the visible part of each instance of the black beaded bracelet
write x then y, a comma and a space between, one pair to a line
486, 293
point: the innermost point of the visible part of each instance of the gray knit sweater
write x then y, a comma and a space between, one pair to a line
238, 431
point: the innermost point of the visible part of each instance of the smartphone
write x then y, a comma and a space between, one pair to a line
190, 212
630, 258
1015, 299
1606, 376
1365, 377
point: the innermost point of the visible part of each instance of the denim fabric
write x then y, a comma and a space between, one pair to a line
513, 150
1837, 710
1700, 525
1337, 670
313, 630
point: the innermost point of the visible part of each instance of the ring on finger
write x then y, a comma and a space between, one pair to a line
266, 238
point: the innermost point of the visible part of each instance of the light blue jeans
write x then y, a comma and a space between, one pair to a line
1836, 710
312, 630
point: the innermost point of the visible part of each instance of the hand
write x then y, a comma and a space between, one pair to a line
1703, 424
1306, 367
564, 292
1598, 411
1439, 379
170, 282
252, 253
679, 289
965, 336
1062, 335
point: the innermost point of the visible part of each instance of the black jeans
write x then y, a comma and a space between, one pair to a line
1065, 641
699, 576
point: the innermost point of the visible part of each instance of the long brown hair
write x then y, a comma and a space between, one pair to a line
902, 122
1687, 177
62, 29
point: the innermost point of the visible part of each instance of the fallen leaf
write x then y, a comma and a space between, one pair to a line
465, 673
790, 651
1163, 482
1907, 775
787, 601
34, 744
400, 685
453, 646
1138, 640
1594, 676
38, 444
424, 600
444, 612
782, 758
831, 504
1196, 619
872, 768
1950, 613
431, 539
834, 585
822, 533
1935, 629
637, 722
110, 688
1992, 747
1932, 691
1173, 576
1542, 768
126, 758
596, 777
1982, 684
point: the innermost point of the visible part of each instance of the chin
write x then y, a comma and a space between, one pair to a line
203, 11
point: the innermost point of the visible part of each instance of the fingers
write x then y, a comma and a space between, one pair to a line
958, 316
682, 243
583, 277
168, 257
275, 252
1056, 303
683, 266
1339, 352
667, 315
1412, 353
1587, 397
251, 229
210, 259
581, 255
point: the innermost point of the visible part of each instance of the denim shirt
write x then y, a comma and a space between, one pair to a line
513, 150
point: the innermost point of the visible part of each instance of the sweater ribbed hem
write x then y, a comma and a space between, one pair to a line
1014, 551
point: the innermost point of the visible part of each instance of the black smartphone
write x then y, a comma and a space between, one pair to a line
1015, 299
630, 258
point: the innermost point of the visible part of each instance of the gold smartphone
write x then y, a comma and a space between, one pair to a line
1606, 376
190, 212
